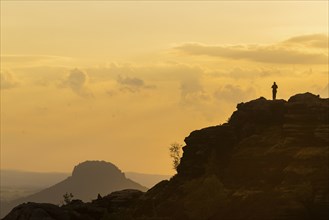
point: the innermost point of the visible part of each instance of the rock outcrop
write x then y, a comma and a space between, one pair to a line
270, 161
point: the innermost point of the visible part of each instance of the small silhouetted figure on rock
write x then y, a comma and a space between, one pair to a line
274, 90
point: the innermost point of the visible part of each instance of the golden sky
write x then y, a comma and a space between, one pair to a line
121, 81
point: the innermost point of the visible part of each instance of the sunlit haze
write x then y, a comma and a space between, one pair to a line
121, 81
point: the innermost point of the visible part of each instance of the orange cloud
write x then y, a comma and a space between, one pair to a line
282, 53
314, 40
7, 80
133, 84
77, 81
234, 93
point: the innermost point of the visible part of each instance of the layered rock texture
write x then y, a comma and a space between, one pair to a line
270, 161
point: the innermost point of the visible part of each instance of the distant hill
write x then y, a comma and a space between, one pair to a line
269, 161
88, 179
27, 180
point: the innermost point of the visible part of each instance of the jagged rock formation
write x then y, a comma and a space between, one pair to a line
270, 161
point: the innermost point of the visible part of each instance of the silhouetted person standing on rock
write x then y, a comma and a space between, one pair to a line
274, 90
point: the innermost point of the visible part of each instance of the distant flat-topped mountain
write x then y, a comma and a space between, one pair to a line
88, 179
19, 182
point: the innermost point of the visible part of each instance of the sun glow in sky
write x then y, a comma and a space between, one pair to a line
121, 81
